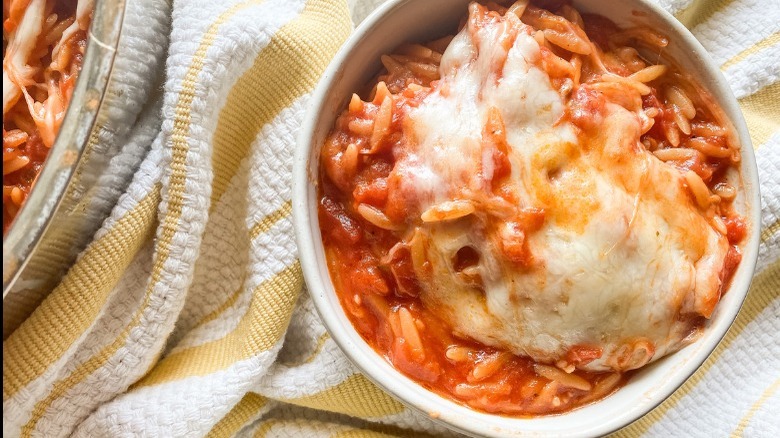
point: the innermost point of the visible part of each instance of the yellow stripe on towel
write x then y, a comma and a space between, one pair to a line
379, 431
257, 229
762, 113
355, 396
300, 49
143, 213
770, 231
364, 433
258, 330
264, 428
269, 221
768, 392
767, 42
700, 11
245, 410
340, 427
76, 303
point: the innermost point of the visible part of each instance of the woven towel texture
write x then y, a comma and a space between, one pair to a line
188, 315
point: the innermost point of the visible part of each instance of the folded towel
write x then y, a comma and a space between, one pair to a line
188, 316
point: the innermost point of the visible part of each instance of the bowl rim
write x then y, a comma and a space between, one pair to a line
393, 381
33, 219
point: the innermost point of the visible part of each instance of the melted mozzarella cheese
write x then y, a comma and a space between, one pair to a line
624, 262
447, 154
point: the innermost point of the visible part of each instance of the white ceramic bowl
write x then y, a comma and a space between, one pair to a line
399, 21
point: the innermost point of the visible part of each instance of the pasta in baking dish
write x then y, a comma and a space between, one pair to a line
43, 48
521, 214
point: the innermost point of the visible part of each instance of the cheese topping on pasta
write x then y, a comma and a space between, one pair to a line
623, 262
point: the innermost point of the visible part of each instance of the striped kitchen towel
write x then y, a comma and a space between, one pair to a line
187, 315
